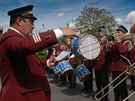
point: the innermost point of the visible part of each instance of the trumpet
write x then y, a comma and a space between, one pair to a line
130, 71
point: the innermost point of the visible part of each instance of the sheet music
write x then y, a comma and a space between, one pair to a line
63, 55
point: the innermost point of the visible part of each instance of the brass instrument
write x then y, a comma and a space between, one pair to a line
129, 96
129, 71
111, 39
107, 40
115, 38
126, 37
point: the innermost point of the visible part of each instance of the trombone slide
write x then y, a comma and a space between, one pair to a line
129, 96
98, 99
129, 71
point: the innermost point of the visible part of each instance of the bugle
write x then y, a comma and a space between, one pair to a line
129, 71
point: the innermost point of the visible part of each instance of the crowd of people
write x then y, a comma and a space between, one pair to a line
117, 53
23, 74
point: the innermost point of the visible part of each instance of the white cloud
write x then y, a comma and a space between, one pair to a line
71, 24
118, 20
60, 14
130, 19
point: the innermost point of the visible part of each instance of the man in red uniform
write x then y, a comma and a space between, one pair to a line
57, 50
132, 29
73, 61
88, 83
119, 54
1, 31
132, 55
23, 77
102, 64
1, 51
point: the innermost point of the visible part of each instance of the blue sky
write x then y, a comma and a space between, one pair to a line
57, 13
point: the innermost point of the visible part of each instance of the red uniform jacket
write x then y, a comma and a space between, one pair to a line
24, 77
57, 50
100, 61
2, 59
118, 63
89, 63
132, 55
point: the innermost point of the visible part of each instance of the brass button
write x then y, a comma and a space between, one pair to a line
39, 63
46, 37
49, 36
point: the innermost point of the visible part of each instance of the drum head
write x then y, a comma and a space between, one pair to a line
89, 46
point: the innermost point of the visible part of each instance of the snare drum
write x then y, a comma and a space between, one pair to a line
82, 73
86, 47
56, 69
65, 67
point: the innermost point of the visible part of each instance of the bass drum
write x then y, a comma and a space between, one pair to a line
86, 47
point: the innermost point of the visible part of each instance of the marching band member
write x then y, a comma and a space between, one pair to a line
57, 50
132, 29
73, 61
1, 31
88, 83
1, 51
23, 77
118, 65
132, 56
101, 65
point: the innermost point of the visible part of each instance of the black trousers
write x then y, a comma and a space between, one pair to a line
102, 80
120, 91
88, 83
71, 76
132, 78
63, 78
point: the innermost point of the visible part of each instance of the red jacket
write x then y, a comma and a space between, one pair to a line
25, 77
2, 59
119, 63
57, 50
89, 63
100, 61
132, 55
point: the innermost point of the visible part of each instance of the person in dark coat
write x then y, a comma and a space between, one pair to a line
24, 77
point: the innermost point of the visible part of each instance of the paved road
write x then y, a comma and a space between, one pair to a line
62, 93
